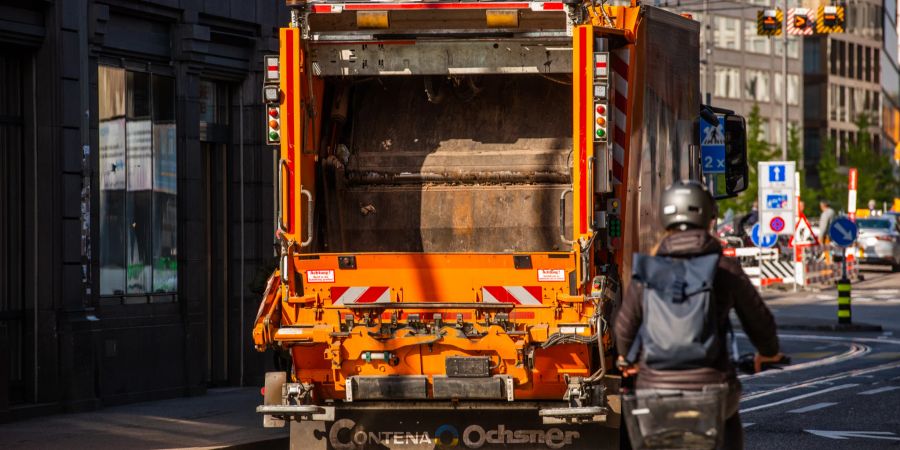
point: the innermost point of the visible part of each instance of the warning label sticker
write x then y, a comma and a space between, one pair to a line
320, 276
551, 275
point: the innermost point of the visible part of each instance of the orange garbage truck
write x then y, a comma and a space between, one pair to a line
461, 187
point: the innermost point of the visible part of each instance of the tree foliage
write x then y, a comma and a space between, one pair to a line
795, 153
833, 183
876, 174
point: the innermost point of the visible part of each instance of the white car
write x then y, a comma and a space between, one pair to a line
879, 241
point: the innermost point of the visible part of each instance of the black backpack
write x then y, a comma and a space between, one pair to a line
680, 327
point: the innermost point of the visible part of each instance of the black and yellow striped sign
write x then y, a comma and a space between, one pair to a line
768, 22
830, 20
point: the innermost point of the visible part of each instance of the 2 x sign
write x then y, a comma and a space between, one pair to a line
712, 146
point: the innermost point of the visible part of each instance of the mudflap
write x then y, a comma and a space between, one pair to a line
404, 426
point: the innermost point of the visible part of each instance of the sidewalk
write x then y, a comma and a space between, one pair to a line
223, 418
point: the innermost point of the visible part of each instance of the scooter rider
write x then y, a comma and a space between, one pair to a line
687, 212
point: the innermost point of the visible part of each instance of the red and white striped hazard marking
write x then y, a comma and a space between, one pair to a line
519, 295
621, 59
355, 295
807, 18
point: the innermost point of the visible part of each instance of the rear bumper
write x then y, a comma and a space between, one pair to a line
874, 260
877, 253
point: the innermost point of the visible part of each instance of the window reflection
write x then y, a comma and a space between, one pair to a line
756, 85
753, 42
138, 182
727, 33
727, 82
111, 87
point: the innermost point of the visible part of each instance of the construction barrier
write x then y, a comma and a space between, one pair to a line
816, 265
812, 266
764, 267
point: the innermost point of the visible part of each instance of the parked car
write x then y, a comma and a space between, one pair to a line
879, 241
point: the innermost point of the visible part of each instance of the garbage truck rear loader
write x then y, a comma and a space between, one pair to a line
461, 186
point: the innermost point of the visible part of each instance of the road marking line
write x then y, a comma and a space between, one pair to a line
833, 339
799, 397
820, 380
827, 378
856, 350
885, 355
749, 424
844, 435
812, 355
879, 390
812, 407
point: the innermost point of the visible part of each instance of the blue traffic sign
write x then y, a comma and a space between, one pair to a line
777, 173
777, 201
768, 240
712, 146
843, 232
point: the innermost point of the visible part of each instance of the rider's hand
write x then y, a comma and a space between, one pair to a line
759, 360
626, 368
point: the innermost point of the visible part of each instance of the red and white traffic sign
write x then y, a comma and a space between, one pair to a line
851, 195
777, 224
803, 234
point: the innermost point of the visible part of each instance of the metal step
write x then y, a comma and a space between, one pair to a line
597, 414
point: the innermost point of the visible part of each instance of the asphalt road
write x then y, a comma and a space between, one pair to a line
843, 388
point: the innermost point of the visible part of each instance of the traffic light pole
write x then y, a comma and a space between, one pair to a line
707, 48
784, 92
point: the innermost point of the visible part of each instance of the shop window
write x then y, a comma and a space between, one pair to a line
138, 183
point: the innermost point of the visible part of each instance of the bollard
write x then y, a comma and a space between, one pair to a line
843, 287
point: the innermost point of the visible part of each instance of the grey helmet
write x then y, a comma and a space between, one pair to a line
687, 204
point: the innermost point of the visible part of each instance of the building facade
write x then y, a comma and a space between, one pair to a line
740, 69
136, 209
850, 74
